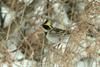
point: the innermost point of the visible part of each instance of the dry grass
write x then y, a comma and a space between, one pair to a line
33, 44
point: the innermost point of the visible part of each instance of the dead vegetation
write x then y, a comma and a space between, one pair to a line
28, 36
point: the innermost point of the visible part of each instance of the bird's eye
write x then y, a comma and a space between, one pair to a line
47, 25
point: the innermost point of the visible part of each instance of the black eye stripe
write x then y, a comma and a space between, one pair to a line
1, 17
46, 27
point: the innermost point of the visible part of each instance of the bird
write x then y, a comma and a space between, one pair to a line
47, 24
53, 34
